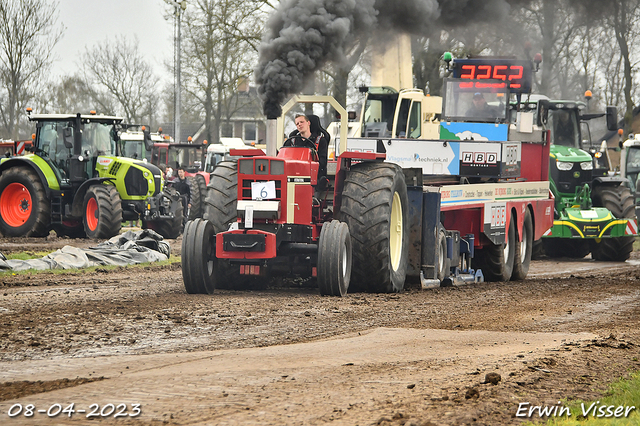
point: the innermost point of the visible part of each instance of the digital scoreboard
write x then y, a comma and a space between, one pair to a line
513, 73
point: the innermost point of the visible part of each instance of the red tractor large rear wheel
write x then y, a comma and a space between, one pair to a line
375, 207
25, 210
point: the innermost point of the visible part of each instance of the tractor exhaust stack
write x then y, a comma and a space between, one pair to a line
272, 136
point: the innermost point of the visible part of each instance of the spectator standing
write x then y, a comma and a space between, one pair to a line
181, 184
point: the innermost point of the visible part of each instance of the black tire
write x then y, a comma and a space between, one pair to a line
196, 200
442, 261
168, 228
187, 255
619, 201
204, 262
71, 230
496, 261
524, 250
334, 259
538, 250
375, 203
23, 215
573, 248
220, 209
201, 186
220, 205
198, 263
102, 212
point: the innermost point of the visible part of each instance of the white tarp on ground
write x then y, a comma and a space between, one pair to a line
126, 249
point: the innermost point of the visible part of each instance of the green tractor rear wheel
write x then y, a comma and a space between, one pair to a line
573, 248
25, 210
619, 201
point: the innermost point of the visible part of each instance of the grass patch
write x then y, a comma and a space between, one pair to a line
26, 255
625, 393
102, 268
636, 244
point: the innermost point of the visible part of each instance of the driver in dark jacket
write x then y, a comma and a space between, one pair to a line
309, 128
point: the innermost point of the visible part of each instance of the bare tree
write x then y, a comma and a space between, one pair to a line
70, 94
28, 32
219, 50
117, 71
623, 20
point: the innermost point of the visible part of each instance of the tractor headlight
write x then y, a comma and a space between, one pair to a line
563, 165
586, 165
146, 174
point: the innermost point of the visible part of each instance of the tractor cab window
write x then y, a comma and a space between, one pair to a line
632, 166
633, 159
51, 139
414, 130
378, 112
213, 158
189, 158
97, 139
134, 149
475, 101
564, 128
403, 117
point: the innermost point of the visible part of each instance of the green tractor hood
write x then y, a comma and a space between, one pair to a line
569, 154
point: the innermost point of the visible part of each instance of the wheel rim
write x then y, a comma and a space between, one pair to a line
209, 251
92, 214
15, 204
344, 259
442, 255
523, 245
507, 248
396, 230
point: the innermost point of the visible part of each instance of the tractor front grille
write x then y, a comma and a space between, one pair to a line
115, 166
135, 182
246, 188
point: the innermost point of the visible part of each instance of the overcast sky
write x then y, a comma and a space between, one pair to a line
88, 22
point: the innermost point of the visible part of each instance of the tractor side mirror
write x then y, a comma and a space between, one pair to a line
67, 136
147, 140
543, 112
612, 118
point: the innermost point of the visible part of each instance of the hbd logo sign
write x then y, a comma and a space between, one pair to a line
479, 157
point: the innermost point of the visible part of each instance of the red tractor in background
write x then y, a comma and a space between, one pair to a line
192, 157
9, 148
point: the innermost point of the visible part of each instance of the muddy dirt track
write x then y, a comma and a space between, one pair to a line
285, 355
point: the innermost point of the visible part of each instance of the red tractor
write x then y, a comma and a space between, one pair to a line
191, 156
264, 218
287, 231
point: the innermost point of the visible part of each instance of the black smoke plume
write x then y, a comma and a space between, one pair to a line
302, 35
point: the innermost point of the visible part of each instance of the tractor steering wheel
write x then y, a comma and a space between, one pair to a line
306, 142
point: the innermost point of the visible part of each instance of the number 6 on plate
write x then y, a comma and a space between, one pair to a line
263, 190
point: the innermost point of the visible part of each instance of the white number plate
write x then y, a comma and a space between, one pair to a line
263, 190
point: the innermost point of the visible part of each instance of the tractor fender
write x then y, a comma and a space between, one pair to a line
77, 209
610, 181
15, 162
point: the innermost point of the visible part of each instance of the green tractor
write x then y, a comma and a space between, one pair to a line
594, 212
74, 182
